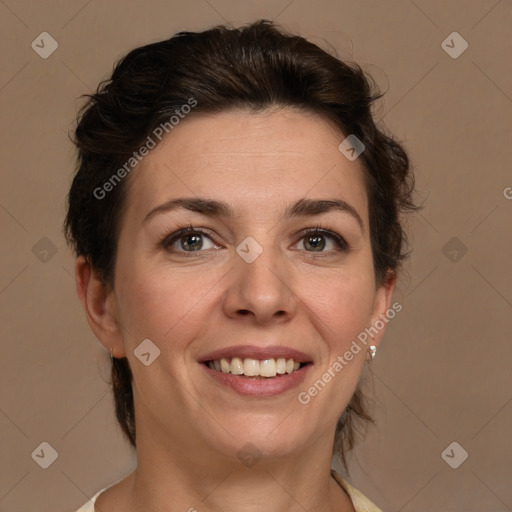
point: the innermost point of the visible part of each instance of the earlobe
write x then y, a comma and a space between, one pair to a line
97, 301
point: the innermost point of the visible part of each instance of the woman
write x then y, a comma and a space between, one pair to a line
235, 216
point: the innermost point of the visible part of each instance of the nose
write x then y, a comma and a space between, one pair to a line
261, 291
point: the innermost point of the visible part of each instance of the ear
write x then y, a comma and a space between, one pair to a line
381, 305
98, 301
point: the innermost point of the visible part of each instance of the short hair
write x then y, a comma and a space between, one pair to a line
253, 68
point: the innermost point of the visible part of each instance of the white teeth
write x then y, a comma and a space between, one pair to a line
255, 368
268, 368
281, 366
237, 366
224, 366
251, 367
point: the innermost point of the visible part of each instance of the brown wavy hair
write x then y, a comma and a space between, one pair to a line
223, 68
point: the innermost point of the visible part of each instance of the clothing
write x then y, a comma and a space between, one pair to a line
361, 503
359, 500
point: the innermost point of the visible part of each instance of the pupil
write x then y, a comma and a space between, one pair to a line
316, 242
190, 240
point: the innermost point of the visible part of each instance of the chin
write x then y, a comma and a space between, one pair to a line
261, 435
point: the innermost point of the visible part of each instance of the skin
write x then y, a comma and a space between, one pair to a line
189, 428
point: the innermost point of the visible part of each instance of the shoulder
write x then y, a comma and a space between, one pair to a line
359, 500
110, 491
89, 506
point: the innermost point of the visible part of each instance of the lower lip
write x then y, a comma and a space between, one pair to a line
259, 387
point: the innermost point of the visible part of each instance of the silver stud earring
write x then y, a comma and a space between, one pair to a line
373, 350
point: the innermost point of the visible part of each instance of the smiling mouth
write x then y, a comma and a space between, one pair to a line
255, 368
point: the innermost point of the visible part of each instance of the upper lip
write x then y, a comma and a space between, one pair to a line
257, 352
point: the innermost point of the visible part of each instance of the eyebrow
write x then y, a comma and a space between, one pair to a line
214, 208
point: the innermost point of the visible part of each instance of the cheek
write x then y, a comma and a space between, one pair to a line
341, 307
163, 306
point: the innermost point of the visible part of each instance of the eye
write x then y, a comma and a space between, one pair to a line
322, 240
188, 240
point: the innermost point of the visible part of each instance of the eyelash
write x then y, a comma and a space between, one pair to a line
175, 236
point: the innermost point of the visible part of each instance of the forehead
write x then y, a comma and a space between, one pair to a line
253, 161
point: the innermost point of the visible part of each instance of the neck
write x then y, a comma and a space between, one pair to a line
199, 480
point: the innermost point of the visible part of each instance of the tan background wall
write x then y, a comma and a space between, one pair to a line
443, 371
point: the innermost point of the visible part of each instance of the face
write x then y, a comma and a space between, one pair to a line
275, 263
